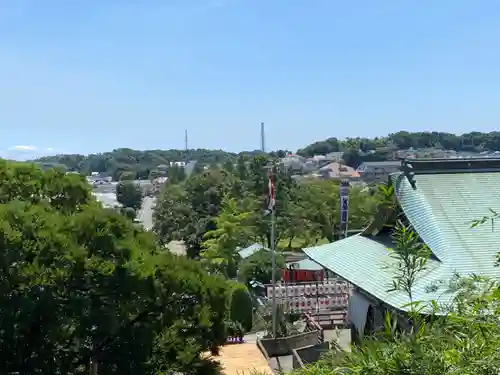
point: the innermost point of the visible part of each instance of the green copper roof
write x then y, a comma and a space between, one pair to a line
250, 250
441, 207
365, 262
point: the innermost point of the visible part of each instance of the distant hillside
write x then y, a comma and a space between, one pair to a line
356, 151
359, 150
402, 140
141, 163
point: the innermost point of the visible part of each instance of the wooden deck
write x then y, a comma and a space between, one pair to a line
242, 359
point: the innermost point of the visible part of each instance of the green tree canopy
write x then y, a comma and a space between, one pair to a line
186, 212
141, 163
176, 174
258, 267
78, 281
217, 211
129, 194
240, 306
128, 176
401, 140
233, 230
174, 216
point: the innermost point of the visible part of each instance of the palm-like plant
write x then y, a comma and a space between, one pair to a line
284, 326
221, 244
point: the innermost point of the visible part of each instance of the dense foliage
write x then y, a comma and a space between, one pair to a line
125, 163
220, 210
240, 306
80, 282
129, 194
258, 267
403, 140
137, 164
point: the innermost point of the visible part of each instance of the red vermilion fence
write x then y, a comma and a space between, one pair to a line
302, 275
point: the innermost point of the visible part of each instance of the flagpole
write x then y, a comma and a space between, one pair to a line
271, 208
273, 261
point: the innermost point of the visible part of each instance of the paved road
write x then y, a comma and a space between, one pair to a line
106, 198
111, 187
145, 215
106, 195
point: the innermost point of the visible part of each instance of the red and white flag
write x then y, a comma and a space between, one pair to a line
271, 194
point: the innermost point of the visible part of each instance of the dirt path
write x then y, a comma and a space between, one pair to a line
242, 359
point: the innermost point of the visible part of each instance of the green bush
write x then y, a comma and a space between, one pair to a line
258, 267
240, 306
128, 212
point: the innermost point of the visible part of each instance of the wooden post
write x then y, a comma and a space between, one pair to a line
93, 367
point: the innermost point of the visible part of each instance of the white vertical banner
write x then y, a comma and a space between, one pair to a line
344, 207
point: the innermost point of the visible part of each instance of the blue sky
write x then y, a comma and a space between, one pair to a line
92, 75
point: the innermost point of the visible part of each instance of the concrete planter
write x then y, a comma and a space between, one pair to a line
309, 354
282, 346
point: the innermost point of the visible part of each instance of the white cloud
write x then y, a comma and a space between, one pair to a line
26, 152
23, 148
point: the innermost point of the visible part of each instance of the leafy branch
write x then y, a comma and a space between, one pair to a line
411, 255
491, 218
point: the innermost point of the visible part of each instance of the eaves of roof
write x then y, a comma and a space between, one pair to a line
366, 263
250, 250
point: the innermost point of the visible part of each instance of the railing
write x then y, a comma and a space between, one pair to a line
333, 318
313, 325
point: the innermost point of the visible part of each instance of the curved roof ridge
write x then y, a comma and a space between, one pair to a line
415, 207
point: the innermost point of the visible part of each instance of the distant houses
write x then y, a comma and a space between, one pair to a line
97, 178
338, 171
332, 166
376, 171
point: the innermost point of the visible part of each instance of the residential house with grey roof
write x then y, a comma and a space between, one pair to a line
335, 156
439, 199
293, 163
378, 170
